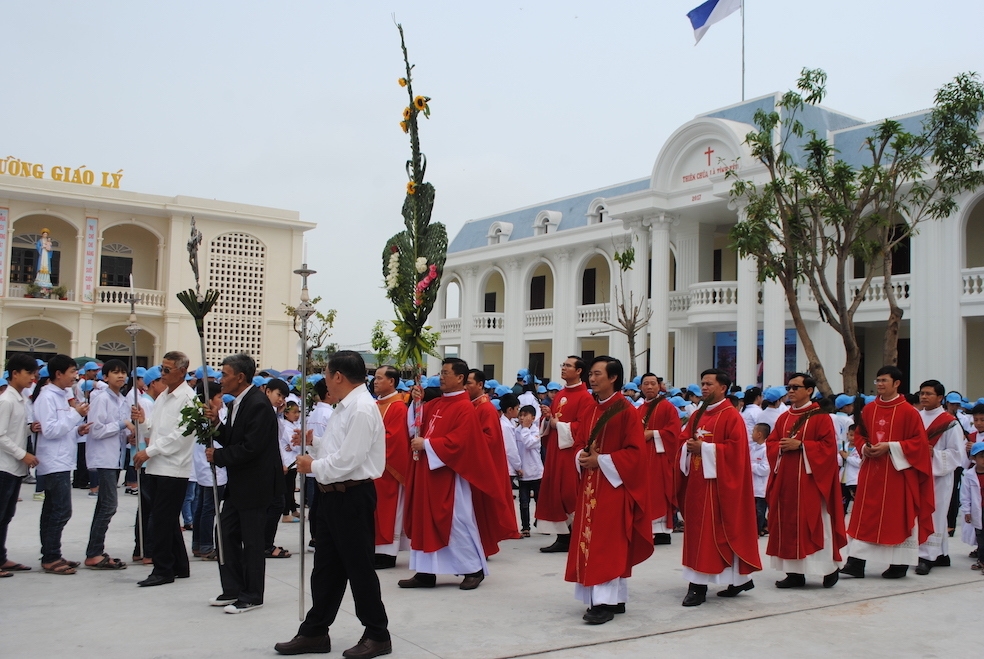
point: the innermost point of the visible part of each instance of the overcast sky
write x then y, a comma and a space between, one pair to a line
295, 104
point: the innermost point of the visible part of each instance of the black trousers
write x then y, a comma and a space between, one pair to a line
344, 554
244, 570
167, 546
272, 523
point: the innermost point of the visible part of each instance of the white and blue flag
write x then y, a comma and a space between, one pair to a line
709, 13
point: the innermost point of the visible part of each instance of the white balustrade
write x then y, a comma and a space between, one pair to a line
539, 318
973, 283
489, 321
117, 295
593, 313
714, 294
450, 326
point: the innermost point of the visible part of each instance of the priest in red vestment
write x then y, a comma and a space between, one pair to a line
390, 496
661, 428
806, 511
488, 418
611, 530
720, 532
454, 502
559, 487
893, 507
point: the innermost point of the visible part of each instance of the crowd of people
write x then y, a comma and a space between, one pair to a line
611, 468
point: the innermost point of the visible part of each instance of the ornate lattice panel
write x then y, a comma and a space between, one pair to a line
237, 269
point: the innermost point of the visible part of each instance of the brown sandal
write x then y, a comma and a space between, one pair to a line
61, 566
4, 573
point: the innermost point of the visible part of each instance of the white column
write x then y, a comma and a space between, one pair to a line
774, 333
747, 322
687, 367
565, 308
467, 349
513, 357
659, 323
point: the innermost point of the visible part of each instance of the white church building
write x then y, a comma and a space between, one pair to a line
530, 286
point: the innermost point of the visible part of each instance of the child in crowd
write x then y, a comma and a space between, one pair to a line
289, 452
531, 472
971, 487
760, 473
852, 466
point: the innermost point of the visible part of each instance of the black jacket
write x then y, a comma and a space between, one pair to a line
251, 453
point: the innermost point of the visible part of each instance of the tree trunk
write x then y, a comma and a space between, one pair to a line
630, 333
814, 366
890, 351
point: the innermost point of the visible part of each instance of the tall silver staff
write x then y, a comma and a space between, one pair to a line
133, 329
198, 306
303, 311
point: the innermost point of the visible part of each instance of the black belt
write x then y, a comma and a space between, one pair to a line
342, 486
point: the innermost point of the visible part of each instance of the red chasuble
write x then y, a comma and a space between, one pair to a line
488, 418
889, 502
719, 513
451, 424
795, 497
661, 416
394, 414
612, 529
559, 487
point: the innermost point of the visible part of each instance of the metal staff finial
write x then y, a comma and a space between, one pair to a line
303, 311
133, 329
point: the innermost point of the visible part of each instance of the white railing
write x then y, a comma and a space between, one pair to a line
679, 301
714, 294
20, 290
973, 283
876, 291
489, 321
540, 318
450, 326
593, 313
117, 295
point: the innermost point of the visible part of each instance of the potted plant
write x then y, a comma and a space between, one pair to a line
60, 292
33, 290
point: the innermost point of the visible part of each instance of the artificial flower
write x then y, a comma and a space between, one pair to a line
420, 103
406, 113
411, 187
405, 126
403, 82
421, 264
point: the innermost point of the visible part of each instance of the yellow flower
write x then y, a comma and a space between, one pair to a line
411, 187
406, 113
405, 126
420, 103
403, 82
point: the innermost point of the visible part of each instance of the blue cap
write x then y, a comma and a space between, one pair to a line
491, 384
632, 386
522, 374
43, 372
502, 390
87, 385
141, 371
675, 391
843, 400
678, 401
869, 399
773, 394
980, 401
740, 395
40, 362
228, 398
554, 386
3, 382
188, 377
496, 405
259, 381
152, 374
541, 389
90, 366
199, 373
953, 397
976, 447
402, 386
694, 389
637, 380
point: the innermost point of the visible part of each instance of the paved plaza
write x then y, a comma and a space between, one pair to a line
524, 608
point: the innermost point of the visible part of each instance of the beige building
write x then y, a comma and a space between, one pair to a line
101, 235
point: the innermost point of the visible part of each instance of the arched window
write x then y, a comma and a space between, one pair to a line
597, 212
499, 232
546, 222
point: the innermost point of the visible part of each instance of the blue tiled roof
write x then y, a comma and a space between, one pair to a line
574, 211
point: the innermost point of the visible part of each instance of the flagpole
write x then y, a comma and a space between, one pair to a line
743, 50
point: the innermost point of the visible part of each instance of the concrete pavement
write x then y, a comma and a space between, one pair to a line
524, 608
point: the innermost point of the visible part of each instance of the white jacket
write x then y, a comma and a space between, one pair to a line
970, 502
760, 468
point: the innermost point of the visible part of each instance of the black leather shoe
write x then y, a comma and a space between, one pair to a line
896, 571
384, 561
923, 567
696, 595
661, 539
368, 648
942, 561
471, 581
155, 580
598, 615
305, 645
854, 567
560, 545
831, 579
419, 580
733, 590
792, 580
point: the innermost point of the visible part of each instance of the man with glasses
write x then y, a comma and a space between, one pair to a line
806, 512
559, 487
893, 508
661, 429
946, 441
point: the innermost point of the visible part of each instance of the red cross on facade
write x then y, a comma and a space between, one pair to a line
708, 154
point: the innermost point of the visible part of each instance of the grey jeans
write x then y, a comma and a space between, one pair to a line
106, 504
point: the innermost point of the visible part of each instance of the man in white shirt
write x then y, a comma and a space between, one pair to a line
61, 423
350, 455
111, 429
752, 410
168, 460
14, 458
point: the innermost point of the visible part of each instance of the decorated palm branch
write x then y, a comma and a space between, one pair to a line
413, 260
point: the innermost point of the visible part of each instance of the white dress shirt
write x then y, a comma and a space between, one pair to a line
13, 432
56, 450
353, 446
108, 414
169, 449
